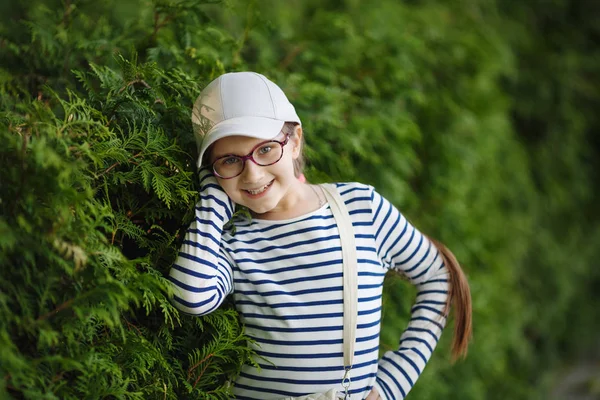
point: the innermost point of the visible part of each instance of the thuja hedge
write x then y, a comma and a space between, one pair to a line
93, 196
443, 107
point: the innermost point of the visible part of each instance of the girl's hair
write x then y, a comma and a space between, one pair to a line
460, 296
289, 128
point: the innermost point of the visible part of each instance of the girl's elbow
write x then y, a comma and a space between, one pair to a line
198, 303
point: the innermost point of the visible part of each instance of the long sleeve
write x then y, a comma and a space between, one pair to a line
202, 273
403, 248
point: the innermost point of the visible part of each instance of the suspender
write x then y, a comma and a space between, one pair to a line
350, 276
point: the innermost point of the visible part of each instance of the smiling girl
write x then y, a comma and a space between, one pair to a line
284, 266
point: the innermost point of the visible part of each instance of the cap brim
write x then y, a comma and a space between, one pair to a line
255, 127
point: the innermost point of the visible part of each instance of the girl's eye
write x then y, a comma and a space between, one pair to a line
230, 161
265, 149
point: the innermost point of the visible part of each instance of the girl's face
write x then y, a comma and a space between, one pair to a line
267, 191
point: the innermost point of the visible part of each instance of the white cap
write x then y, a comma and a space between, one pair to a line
240, 103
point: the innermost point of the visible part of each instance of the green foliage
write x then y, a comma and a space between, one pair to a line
97, 190
476, 118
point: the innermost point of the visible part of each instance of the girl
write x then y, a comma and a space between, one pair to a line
284, 266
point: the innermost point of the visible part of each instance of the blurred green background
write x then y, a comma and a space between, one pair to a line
477, 118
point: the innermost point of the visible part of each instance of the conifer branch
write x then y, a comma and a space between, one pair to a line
133, 82
236, 55
291, 56
58, 377
61, 307
117, 163
198, 364
129, 324
67, 13
203, 369
159, 25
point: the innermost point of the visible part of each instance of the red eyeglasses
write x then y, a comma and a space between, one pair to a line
263, 154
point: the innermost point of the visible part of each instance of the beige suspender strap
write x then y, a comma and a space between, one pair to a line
350, 272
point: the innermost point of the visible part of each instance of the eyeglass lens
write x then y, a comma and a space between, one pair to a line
266, 154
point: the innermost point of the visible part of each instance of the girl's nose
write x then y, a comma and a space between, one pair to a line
252, 173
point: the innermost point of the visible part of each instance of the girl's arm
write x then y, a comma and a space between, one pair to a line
405, 249
202, 273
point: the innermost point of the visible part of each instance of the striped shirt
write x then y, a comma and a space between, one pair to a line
286, 280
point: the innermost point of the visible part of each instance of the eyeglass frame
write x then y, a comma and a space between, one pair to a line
250, 157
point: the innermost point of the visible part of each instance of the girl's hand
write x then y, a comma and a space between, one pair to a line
374, 395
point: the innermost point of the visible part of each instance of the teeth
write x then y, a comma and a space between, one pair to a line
258, 191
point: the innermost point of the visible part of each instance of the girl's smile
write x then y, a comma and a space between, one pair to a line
260, 192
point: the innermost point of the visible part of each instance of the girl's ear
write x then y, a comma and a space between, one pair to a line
296, 140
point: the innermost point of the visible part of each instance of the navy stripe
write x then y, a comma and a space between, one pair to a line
292, 268
293, 280
307, 316
425, 292
204, 234
304, 304
280, 236
317, 342
204, 188
288, 256
400, 236
426, 269
305, 355
383, 223
286, 246
428, 320
433, 310
314, 368
191, 272
354, 189
438, 281
415, 350
201, 247
226, 207
292, 304
357, 199
422, 330
284, 393
334, 328
332, 382
376, 215
400, 369
370, 273
364, 236
420, 262
210, 210
416, 339
209, 222
360, 211
189, 288
412, 364
440, 303
292, 293
293, 317
412, 255
195, 305
391, 230
382, 369
361, 223
386, 389
257, 226
412, 235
